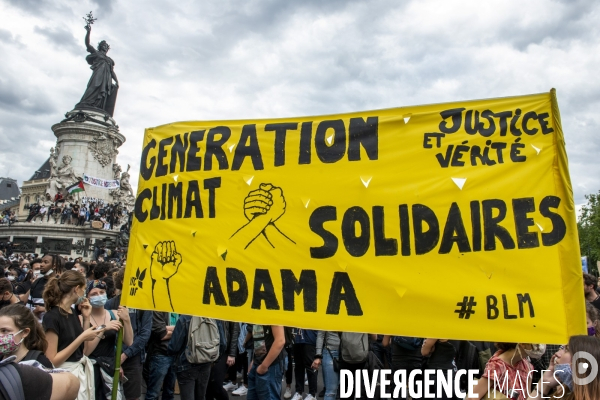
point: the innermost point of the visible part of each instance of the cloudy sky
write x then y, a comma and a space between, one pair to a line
206, 60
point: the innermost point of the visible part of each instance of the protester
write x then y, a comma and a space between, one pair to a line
40, 385
28, 341
561, 369
510, 360
160, 371
132, 356
7, 297
326, 351
81, 267
50, 266
590, 284
304, 347
592, 320
241, 362
67, 336
264, 378
442, 357
102, 348
289, 371
229, 334
354, 351
193, 378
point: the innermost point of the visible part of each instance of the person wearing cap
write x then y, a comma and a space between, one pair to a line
102, 348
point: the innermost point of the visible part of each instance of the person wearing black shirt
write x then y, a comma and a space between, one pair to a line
590, 283
7, 297
51, 265
160, 368
264, 379
67, 338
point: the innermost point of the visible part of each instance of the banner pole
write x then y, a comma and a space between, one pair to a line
117, 374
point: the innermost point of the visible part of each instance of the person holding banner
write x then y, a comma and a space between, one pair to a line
102, 348
132, 356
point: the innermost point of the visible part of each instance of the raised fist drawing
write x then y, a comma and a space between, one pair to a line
164, 264
262, 208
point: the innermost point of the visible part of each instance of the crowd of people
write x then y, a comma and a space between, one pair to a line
7, 217
79, 213
64, 316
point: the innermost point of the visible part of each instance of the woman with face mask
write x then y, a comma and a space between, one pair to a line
67, 336
562, 382
510, 362
22, 336
592, 317
102, 348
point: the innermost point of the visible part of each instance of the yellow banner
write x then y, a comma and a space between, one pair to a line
450, 220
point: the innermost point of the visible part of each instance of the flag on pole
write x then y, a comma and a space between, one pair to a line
76, 188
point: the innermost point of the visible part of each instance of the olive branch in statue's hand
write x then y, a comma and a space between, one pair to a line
89, 20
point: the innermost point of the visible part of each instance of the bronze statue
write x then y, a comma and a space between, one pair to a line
101, 92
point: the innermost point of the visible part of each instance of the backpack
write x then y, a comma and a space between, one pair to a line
32, 355
203, 341
407, 342
354, 347
11, 386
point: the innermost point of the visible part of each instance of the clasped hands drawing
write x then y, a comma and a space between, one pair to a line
262, 208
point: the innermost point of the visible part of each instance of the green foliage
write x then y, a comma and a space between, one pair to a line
589, 231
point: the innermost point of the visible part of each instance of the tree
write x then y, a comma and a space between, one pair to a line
589, 231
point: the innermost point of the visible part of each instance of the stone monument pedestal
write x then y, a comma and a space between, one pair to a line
91, 139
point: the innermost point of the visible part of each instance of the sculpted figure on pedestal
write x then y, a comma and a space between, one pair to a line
66, 174
125, 186
53, 162
116, 171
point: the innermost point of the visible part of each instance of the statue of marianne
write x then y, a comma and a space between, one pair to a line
101, 92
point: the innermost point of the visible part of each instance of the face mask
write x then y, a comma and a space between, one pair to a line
7, 343
98, 301
564, 374
591, 331
536, 352
37, 273
25, 269
80, 300
49, 273
10, 278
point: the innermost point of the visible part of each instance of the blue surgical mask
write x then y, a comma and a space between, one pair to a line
98, 301
564, 374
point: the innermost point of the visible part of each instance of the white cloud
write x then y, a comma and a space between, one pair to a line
188, 60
